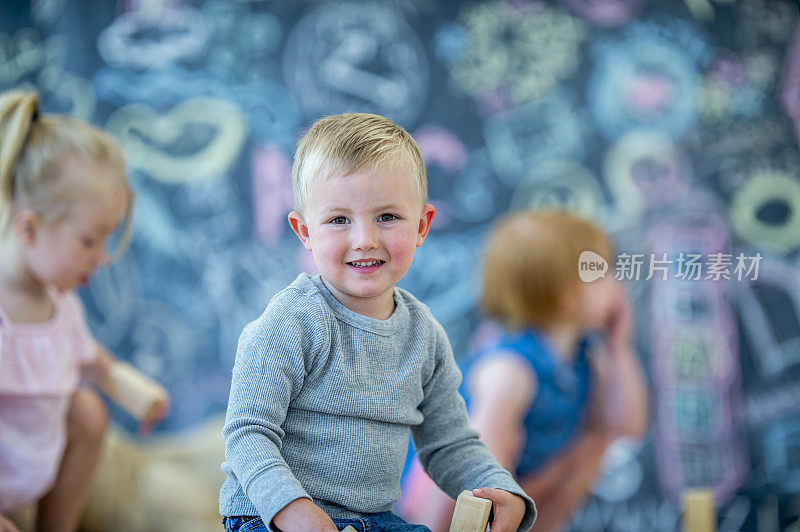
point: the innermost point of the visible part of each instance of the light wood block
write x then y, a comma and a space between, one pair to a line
134, 391
698, 511
348, 528
471, 513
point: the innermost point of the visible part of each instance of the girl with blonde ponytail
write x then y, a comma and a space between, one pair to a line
63, 192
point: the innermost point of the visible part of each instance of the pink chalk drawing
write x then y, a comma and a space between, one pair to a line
494, 101
272, 193
727, 68
650, 94
790, 85
607, 13
695, 368
442, 147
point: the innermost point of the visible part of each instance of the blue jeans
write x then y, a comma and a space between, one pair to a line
382, 522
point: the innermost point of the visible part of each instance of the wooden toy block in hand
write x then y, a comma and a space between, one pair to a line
471, 513
134, 392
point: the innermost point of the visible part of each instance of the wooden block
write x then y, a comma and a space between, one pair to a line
698, 511
471, 513
348, 528
135, 392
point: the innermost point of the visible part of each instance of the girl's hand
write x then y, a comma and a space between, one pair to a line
6, 525
157, 412
509, 509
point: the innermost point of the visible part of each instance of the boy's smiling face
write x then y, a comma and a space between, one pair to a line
363, 230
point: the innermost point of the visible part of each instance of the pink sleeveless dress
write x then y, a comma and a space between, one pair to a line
39, 371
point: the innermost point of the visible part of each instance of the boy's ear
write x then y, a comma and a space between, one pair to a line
300, 229
425, 223
26, 223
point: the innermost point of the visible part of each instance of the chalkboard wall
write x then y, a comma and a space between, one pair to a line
673, 124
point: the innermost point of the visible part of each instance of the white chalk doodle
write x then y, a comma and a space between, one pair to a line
22, 55
736, 87
774, 353
153, 38
46, 12
770, 404
647, 80
765, 22
348, 56
271, 112
525, 49
198, 139
29, 62
645, 170
525, 137
643, 513
781, 448
705, 9
621, 475
765, 212
243, 41
561, 185
607, 13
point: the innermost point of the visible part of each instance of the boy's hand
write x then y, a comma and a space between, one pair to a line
509, 509
302, 515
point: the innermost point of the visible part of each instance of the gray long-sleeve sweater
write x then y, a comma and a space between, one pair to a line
322, 400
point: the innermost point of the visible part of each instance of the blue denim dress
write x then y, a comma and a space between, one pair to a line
562, 393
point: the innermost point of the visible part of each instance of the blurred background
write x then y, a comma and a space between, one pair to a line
672, 123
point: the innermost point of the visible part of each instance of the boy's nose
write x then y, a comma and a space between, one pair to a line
365, 237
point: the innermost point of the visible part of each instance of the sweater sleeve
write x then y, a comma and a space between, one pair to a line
269, 371
449, 450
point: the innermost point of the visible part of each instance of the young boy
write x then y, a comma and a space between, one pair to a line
339, 368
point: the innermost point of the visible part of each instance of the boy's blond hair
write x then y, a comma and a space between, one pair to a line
531, 263
344, 144
33, 149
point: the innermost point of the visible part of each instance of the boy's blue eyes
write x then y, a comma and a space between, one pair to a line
340, 220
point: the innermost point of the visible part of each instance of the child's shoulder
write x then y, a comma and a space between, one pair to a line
303, 287
419, 311
298, 302
411, 302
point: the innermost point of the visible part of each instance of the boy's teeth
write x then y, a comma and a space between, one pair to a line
365, 264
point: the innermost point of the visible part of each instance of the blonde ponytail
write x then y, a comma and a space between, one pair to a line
18, 109
33, 149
